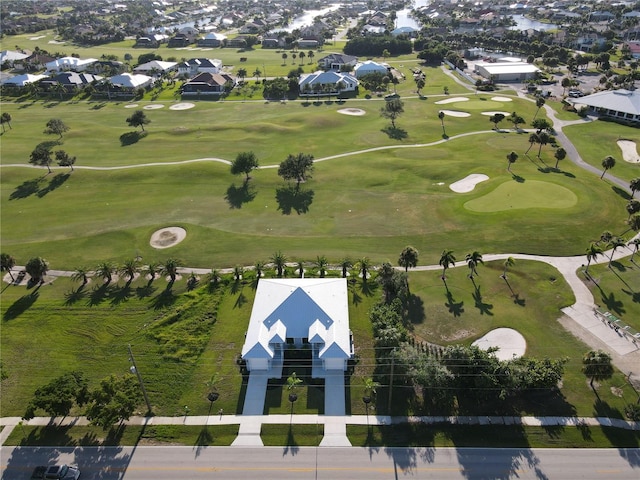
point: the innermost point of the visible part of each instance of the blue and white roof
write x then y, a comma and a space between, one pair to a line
313, 308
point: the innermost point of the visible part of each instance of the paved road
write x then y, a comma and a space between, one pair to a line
158, 463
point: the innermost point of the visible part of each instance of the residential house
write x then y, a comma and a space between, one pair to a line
601, 16
308, 43
151, 41
212, 40
337, 61
241, 41
274, 41
22, 80
156, 68
71, 81
634, 48
329, 82
185, 37
129, 82
108, 67
33, 63
299, 313
193, 66
207, 84
369, 66
70, 63
10, 56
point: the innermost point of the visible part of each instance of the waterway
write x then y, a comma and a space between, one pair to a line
524, 23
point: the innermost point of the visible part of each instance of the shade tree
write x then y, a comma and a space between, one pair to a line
408, 258
113, 401
64, 159
392, 109
138, 119
596, 365
58, 397
56, 126
7, 262
41, 157
5, 117
37, 268
496, 118
244, 163
296, 167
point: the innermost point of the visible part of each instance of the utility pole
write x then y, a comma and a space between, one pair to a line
134, 369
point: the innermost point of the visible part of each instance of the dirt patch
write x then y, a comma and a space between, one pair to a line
167, 237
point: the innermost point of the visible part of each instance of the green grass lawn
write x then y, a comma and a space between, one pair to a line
292, 435
617, 289
596, 140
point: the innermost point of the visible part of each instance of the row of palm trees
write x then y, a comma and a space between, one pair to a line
609, 241
129, 270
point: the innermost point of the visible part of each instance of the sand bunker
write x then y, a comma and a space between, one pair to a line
455, 113
153, 106
629, 151
182, 106
501, 99
352, 111
452, 100
167, 237
489, 114
510, 342
468, 183
131, 105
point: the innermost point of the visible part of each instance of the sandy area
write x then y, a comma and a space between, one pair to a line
501, 99
489, 114
167, 237
37, 38
153, 106
352, 111
452, 100
131, 105
455, 113
510, 342
468, 183
629, 151
56, 42
182, 106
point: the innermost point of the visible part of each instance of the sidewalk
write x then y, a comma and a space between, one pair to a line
335, 427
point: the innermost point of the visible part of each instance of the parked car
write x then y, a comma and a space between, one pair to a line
575, 93
56, 472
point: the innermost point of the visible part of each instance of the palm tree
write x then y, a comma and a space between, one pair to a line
212, 388
447, 259
257, 73
592, 253
605, 237
345, 265
130, 268
5, 117
615, 243
81, 274
152, 270
170, 268
408, 258
279, 260
543, 139
607, 163
300, 268
364, 264
508, 262
596, 365
37, 268
441, 117
322, 263
284, 58
539, 103
533, 138
559, 154
310, 55
511, 159
105, 270
302, 55
259, 269
7, 262
214, 277
370, 386
634, 185
473, 260
292, 383
237, 273
636, 246
634, 222
633, 206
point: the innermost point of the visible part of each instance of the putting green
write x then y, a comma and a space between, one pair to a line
512, 195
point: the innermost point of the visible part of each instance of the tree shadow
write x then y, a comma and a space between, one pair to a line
120, 295
621, 192
485, 308
368, 288
74, 296
56, 182
395, 133
415, 309
164, 299
99, 293
518, 178
146, 291
635, 296
237, 196
240, 301
613, 304
131, 138
204, 439
20, 306
293, 198
356, 299
26, 189
455, 308
519, 301
292, 446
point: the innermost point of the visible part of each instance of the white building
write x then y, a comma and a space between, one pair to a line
193, 66
299, 313
507, 71
621, 104
321, 83
24, 79
155, 67
129, 81
70, 63
369, 66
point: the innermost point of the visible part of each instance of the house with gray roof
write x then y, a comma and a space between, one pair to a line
617, 104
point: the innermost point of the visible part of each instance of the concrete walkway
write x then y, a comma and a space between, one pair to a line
334, 426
